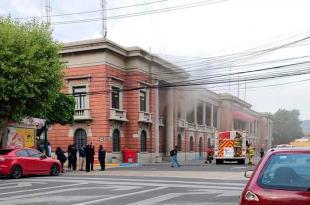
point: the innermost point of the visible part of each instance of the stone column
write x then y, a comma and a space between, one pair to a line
204, 114
195, 113
169, 120
212, 110
156, 121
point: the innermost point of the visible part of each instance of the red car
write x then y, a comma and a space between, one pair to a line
20, 162
282, 177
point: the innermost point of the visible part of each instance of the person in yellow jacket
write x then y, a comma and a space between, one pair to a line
250, 153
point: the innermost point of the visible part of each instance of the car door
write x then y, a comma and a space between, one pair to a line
38, 164
22, 158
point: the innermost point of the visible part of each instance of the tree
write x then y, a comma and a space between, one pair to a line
61, 111
31, 70
286, 126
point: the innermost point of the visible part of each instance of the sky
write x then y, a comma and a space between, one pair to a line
198, 34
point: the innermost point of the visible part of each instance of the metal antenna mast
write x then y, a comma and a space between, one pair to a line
48, 11
104, 18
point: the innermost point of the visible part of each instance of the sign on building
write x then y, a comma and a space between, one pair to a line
21, 137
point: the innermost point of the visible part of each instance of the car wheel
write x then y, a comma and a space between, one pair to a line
16, 172
55, 170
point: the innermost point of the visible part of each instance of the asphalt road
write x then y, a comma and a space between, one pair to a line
116, 187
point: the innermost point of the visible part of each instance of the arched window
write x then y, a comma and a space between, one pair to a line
143, 143
116, 141
179, 142
191, 144
200, 147
80, 137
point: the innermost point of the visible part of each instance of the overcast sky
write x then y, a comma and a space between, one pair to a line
204, 31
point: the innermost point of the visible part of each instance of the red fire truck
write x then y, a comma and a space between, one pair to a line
230, 146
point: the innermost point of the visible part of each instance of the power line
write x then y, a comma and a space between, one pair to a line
162, 10
96, 11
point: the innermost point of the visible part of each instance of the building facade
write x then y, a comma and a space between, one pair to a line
124, 101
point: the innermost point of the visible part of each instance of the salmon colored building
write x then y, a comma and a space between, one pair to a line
124, 101
114, 105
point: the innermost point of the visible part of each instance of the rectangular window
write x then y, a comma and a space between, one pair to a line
143, 100
115, 95
79, 93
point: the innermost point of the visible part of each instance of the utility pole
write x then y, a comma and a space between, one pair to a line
104, 18
48, 11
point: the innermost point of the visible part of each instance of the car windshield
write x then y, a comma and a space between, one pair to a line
286, 172
5, 151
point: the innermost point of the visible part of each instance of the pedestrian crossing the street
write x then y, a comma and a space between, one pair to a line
83, 190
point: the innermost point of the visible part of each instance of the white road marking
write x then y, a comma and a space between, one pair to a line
49, 192
39, 189
147, 184
159, 199
120, 196
19, 185
221, 193
51, 200
152, 180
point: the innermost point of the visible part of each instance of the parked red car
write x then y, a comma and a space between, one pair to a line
20, 162
282, 177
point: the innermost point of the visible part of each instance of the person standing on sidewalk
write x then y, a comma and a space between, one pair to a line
73, 157
69, 157
92, 157
88, 157
61, 157
173, 156
101, 157
82, 156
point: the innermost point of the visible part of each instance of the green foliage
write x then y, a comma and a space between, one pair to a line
286, 126
30, 69
61, 111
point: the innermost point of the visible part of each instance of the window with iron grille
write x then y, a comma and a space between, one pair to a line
143, 100
143, 141
116, 141
115, 96
80, 137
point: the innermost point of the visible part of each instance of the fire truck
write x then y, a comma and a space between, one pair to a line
230, 146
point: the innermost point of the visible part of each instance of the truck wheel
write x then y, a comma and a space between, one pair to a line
219, 161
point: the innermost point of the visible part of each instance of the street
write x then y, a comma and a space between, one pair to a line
204, 184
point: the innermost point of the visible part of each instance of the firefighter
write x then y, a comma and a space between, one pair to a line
250, 153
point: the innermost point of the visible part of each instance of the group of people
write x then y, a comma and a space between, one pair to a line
86, 157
